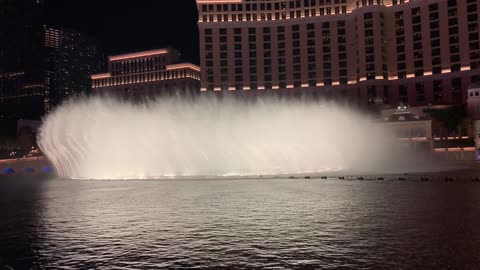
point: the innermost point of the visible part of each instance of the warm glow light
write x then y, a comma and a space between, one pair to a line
101, 76
218, 1
420, 139
452, 138
137, 54
33, 86
458, 149
7, 75
465, 68
182, 66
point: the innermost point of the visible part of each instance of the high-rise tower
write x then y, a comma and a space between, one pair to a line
21, 59
71, 59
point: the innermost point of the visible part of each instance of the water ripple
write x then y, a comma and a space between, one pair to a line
265, 224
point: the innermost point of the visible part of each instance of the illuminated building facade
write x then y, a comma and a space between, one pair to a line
147, 74
71, 59
399, 51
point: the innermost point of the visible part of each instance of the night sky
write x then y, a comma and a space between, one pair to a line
127, 26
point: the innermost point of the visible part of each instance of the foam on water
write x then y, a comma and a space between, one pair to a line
101, 138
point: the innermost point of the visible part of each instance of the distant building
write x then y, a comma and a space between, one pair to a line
425, 127
147, 74
415, 52
71, 59
410, 128
473, 105
40, 66
22, 84
473, 101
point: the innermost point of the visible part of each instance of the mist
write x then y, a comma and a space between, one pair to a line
104, 138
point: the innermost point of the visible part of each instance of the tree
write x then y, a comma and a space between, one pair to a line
450, 117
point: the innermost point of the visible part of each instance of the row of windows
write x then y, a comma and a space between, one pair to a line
297, 68
269, 6
146, 77
138, 65
455, 87
435, 39
370, 49
408, 94
342, 79
141, 91
273, 16
473, 36
361, 3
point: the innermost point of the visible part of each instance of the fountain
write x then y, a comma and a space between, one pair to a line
102, 138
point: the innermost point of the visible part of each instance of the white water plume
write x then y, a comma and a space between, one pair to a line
101, 138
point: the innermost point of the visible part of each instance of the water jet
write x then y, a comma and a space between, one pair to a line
101, 138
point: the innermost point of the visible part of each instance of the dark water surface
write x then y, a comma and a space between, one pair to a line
239, 224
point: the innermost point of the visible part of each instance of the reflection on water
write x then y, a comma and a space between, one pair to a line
244, 224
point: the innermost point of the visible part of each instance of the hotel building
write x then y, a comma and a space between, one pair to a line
397, 51
71, 59
147, 74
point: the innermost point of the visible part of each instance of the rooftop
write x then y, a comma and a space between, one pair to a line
138, 54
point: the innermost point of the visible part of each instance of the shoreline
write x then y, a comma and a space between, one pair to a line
34, 165
40, 165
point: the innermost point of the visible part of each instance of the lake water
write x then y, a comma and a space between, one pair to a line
239, 224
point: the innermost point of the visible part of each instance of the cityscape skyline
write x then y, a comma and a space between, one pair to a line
367, 52
123, 28
146, 75
239, 134
41, 66
415, 70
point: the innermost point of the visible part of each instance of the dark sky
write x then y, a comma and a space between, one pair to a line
132, 25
